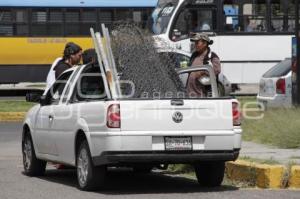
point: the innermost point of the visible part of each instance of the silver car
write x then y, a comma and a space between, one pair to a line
275, 87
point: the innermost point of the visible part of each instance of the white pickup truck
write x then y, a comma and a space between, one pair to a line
76, 124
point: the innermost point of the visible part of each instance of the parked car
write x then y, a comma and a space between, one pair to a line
77, 124
275, 86
182, 58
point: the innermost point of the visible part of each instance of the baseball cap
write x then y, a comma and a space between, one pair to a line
202, 36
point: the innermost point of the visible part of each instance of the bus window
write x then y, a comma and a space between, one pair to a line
55, 15
201, 20
123, 15
254, 16
277, 15
138, 17
39, 22
162, 15
192, 19
72, 26
6, 26
231, 16
22, 27
55, 26
89, 17
291, 16
106, 17
21, 16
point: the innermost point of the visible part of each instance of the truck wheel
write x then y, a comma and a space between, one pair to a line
32, 165
210, 174
89, 177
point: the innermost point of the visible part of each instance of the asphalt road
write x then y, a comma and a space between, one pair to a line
122, 184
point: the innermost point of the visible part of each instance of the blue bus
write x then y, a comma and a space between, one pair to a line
33, 33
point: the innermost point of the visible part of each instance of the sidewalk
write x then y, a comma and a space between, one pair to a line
264, 152
247, 89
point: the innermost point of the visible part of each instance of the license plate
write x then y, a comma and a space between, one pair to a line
178, 143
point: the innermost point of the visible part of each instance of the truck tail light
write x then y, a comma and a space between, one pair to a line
236, 114
113, 116
280, 86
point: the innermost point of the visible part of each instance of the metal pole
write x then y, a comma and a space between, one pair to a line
111, 59
102, 68
297, 75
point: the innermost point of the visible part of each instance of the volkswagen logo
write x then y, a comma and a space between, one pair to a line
177, 117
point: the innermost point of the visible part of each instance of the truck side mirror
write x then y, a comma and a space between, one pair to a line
33, 97
43, 100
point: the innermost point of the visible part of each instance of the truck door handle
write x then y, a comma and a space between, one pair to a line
177, 102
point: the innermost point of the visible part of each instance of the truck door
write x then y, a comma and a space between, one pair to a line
46, 116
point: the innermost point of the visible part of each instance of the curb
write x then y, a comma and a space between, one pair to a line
294, 181
12, 116
260, 175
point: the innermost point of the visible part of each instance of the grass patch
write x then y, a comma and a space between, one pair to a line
15, 105
260, 161
277, 127
247, 102
181, 168
37, 86
184, 170
295, 157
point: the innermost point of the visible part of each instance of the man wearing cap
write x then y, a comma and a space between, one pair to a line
71, 56
202, 56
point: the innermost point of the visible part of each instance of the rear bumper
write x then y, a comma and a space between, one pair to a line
275, 101
163, 157
149, 147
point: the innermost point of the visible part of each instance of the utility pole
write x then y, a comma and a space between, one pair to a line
296, 60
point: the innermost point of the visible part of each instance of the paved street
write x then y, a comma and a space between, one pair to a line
121, 184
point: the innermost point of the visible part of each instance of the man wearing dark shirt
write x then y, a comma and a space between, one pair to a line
72, 56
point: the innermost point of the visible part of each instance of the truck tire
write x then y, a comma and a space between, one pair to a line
210, 174
32, 165
89, 177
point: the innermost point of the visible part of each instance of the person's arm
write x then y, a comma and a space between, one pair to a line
216, 65
51, 75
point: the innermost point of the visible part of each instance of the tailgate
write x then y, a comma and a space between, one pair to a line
185, 115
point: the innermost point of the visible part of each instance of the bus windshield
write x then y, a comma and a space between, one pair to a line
162, 15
